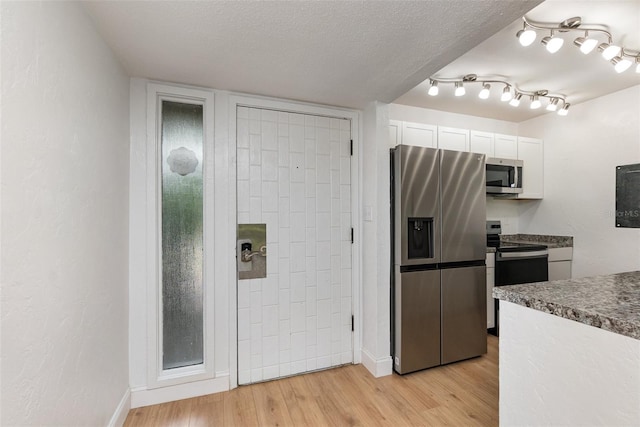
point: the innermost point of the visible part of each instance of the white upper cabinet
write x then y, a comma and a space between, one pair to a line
506, 146
453, 139
482, 143
419, 134
395, 133
530, 151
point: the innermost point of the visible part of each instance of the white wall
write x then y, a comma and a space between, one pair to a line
65, 139
557, 372
581, 152
376, 309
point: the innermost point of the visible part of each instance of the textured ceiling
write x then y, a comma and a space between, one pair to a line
343, 53
569, 72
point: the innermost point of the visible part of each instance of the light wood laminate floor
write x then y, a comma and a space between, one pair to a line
463, 393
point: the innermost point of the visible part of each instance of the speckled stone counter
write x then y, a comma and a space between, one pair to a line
550, 241
608, 302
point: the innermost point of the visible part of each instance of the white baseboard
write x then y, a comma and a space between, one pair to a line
144, 397
120, 415
378, 367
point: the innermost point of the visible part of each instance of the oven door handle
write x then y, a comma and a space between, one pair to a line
524, 254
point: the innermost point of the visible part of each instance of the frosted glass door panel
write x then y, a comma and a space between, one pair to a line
182, 234
294, 175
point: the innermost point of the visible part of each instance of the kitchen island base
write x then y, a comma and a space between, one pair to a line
555, 371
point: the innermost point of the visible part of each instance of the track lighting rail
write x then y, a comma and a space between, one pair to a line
622, 58
570, 24
510, 93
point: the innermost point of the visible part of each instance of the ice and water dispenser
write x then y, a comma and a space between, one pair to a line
420, 237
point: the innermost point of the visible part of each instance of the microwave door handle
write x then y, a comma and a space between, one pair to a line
516, 177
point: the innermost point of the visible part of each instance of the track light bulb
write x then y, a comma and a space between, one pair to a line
621, 64
535, 103
459, 89
526, 36
516, 100
564, 110
484, 92
553, 104
585, 44
506, 94
433, 89
609, 51
551, 43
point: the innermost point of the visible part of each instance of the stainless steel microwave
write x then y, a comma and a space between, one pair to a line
504, 176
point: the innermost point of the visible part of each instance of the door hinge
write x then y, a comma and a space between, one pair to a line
352, 323
351, 235
351, 147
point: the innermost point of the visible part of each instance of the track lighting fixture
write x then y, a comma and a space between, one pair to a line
526, 36
484, 92
507, 94
620, 63
433, 88
609, 51
553, 104
551, 43
515, 101
564, 110
535, 102
585, 43
620, 57
638, 64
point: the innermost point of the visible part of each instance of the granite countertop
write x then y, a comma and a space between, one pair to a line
550, 241
608, 302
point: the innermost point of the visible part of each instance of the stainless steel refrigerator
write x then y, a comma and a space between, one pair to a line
438, 291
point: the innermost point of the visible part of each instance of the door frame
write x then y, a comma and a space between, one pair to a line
157, 377
356, 170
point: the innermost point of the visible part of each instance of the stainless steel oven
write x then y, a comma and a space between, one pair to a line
521, 263
516, 263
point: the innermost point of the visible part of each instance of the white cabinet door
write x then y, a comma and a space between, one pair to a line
530, 151
506, 146
395, 133
419, 135
560, 263
491, 320
453, 139
560, 270
482, 142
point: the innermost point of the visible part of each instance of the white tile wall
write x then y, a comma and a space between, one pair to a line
294, 175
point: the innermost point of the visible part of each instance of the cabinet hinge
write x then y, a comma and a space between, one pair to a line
351, 235
351, 147
352, 323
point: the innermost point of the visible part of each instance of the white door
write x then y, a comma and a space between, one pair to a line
293, 174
